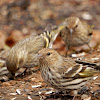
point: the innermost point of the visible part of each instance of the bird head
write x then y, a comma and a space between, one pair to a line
72, 23
48, 56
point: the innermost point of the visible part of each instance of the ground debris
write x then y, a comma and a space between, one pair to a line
22, 18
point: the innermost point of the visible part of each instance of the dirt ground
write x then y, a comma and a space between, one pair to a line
22, 18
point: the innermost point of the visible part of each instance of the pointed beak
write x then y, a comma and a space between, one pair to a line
39, 55
61, 26
71, 31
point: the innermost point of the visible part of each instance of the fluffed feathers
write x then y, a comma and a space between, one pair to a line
76, 33
63, 73
24, 53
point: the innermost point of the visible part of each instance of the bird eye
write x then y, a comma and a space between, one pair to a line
60, 34
90, 34
76, 25
48, 53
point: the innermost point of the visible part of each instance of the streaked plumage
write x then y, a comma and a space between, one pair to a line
63, 73
76, 33
23, 54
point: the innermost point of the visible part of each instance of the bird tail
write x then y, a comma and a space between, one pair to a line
92, 65
50, 34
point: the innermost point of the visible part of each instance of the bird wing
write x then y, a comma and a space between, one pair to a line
73, 70
50, 27
88, 27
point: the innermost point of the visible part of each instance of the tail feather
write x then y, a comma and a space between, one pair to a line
92, 65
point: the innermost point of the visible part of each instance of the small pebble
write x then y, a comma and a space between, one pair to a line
74, 55
81, 54
29, 98
18, 91
92, 92
13, 93
49, 92
35, 86
85, 97
94, 58
86, 16
40, 92
94, 78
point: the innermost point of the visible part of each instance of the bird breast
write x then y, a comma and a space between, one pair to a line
61, 83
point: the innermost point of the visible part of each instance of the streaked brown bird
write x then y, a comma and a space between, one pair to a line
62, 73
76, 32
23, 54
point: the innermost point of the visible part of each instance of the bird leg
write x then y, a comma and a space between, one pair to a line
67, 49
12, 76
74, 98
91, 49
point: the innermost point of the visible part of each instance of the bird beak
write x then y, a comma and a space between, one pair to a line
62, 26
71, 31
39, 56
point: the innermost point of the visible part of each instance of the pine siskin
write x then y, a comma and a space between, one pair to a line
63, 73
76, 32
23, 54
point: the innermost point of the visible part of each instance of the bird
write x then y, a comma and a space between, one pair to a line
76, 33
23, 54
63, 73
